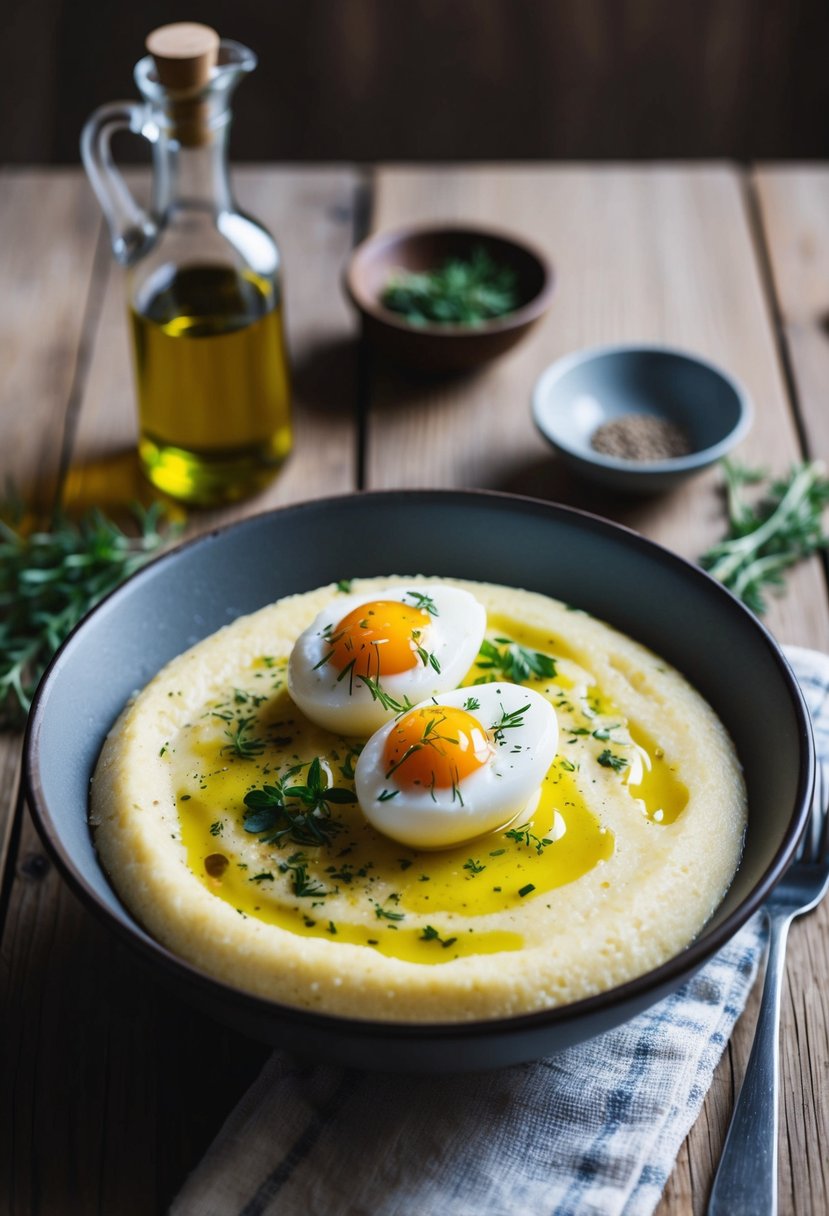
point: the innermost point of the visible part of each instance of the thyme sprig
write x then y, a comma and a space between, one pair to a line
50, 579
273, 814
768, 536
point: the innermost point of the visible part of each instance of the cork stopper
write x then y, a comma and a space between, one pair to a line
185, 54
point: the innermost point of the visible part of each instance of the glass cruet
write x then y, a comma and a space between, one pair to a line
203, 278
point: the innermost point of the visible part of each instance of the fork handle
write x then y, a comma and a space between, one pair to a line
746, 1180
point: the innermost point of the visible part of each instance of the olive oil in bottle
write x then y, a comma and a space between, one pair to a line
204, 278
212, 381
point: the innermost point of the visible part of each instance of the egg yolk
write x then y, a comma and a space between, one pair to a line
383, 637
435, 747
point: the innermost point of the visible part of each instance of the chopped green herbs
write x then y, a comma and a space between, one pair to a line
526, 837
424, 602
242, 744
767, 537
506, 660
272, 812
508, 721
608, 759
463, 291
527, 890
430, 934
301, 884
474, 867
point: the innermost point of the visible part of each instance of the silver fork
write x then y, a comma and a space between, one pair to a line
746, 1180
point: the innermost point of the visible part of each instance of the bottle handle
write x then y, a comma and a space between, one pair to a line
131, 228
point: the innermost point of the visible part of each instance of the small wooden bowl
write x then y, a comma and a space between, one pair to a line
440, 347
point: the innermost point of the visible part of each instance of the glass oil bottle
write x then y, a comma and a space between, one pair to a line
203, 279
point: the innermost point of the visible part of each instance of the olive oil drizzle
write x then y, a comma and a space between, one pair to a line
358, 887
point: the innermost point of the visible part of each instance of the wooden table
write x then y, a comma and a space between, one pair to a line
110, 1089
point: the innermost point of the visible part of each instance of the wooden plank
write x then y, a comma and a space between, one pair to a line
793, 207
47, 289
113, 1087
651, 254
794, 213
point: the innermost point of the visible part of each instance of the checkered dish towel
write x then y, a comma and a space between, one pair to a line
592, 1130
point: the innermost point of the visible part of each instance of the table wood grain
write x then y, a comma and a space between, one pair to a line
111, 1087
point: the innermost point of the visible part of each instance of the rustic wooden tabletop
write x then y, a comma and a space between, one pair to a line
111, 1089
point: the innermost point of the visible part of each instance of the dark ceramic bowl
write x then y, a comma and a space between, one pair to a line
643, 589
442, 347
577, 394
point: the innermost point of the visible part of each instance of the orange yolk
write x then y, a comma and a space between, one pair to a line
435, 746
380, 639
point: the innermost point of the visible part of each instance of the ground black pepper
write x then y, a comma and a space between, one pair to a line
640, 437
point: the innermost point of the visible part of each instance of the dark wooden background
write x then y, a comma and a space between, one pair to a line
450, 79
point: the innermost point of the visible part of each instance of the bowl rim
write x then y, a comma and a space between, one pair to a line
699, 458
523, 315
645, 987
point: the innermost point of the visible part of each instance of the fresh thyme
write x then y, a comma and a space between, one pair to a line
507, 660
379, 694
48, 581
463, 291
241, 744
301, 884
508, 721
769, 536
526, 837
430, 934
608, 759
383, 913
271, 815
424, 602
427, 658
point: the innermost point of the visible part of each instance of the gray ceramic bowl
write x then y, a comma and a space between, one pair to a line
643, 589
578, 393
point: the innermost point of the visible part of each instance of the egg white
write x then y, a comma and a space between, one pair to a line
486, 799
453, 635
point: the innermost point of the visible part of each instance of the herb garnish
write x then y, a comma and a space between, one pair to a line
301, 884
463, 291
766, 538
48, 581
607, 759
270, 812
512, 662
424, 602
474, 867
241, 744
526, 837
431, 934
508, 721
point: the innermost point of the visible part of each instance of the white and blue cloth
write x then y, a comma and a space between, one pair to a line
592, 1131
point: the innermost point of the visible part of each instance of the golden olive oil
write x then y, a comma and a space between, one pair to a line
213, 383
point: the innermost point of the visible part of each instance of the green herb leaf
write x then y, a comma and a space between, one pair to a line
460, 292
608, 759
509, 661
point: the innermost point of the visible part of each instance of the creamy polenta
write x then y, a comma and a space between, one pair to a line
229, 826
